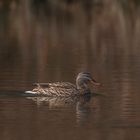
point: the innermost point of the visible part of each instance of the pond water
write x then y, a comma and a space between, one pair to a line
49, 49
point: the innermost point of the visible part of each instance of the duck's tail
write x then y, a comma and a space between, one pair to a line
31, 92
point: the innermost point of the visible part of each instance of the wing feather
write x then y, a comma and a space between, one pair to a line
56, 89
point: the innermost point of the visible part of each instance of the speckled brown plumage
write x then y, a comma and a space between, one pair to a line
56, 89
65, 88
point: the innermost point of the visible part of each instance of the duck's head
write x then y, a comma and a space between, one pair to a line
83, 80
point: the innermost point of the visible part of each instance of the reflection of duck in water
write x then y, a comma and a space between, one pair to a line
80, 103
83, 109
53, 102
65, 88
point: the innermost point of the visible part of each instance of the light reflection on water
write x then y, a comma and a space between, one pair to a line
40, 117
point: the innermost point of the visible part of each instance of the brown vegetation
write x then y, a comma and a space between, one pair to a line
36, 35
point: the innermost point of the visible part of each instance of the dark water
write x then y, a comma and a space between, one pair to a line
35, 47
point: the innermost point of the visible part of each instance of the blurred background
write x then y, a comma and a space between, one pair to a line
54, 40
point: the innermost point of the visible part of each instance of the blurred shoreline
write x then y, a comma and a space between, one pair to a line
44, 40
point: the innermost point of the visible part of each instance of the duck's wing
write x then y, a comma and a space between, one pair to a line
56, 89
41, 84
56, 84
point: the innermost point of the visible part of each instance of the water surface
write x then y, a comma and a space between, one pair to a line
40, 47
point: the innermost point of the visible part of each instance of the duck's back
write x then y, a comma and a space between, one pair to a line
56, 89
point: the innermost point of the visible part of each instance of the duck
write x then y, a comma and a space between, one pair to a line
65, 89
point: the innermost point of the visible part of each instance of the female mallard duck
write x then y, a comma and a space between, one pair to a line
65, 88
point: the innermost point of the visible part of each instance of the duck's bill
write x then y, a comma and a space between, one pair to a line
95, 83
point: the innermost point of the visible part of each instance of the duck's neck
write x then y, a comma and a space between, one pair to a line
83, 89
82, 86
